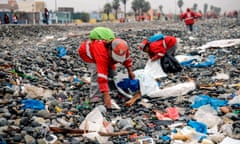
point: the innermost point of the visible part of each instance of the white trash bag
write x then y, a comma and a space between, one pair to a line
154, 69
94, 122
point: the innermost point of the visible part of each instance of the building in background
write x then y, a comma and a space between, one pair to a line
39, 6
22, 5
8, 5
66, 9
26, 5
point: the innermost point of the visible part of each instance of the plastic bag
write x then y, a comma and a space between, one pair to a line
206, 114
211, 59
61, 51
220, 44
229, 140
170, 64
33, 91
117, 79
201, 100
171, 113
128, 84
33, 104
209, 62
146, 78
154, 69
235, 100
94, 122
147, 83
198, 126
176, 90
185, 58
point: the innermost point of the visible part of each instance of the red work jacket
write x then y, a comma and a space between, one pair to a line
96, 52
188, 17
160, 47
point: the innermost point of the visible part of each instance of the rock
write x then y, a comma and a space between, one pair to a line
29, 139
17, 138
3, 122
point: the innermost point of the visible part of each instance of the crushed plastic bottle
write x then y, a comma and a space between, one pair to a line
145, 140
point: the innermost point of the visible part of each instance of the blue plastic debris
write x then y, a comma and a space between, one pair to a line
165, 138
198, 126
211, 59
61, 51
127, 84
33, 104
201, 100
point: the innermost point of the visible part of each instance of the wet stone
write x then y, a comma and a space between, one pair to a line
3, 121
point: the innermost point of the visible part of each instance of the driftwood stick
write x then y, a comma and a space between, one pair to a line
77, 132
114, 133
68, 131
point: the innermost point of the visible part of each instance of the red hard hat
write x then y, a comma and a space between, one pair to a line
119, 50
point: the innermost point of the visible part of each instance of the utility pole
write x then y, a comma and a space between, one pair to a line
55, 5
33, 11
175, 15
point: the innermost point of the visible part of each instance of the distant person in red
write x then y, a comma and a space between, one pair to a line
188, 18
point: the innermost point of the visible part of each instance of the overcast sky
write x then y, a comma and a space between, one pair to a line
168, 5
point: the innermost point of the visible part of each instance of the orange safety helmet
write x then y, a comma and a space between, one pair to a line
119, 50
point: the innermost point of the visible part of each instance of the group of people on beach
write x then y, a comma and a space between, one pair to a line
103, 50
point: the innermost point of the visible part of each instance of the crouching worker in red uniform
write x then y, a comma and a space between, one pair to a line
158, 45
101, 53
162, 47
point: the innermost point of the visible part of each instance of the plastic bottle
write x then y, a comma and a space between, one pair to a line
144, 140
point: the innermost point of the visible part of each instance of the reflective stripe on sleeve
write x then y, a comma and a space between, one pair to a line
188, 18
164, 44
88, 50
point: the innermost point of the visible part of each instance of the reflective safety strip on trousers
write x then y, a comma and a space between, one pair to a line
102, 76
88, 50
